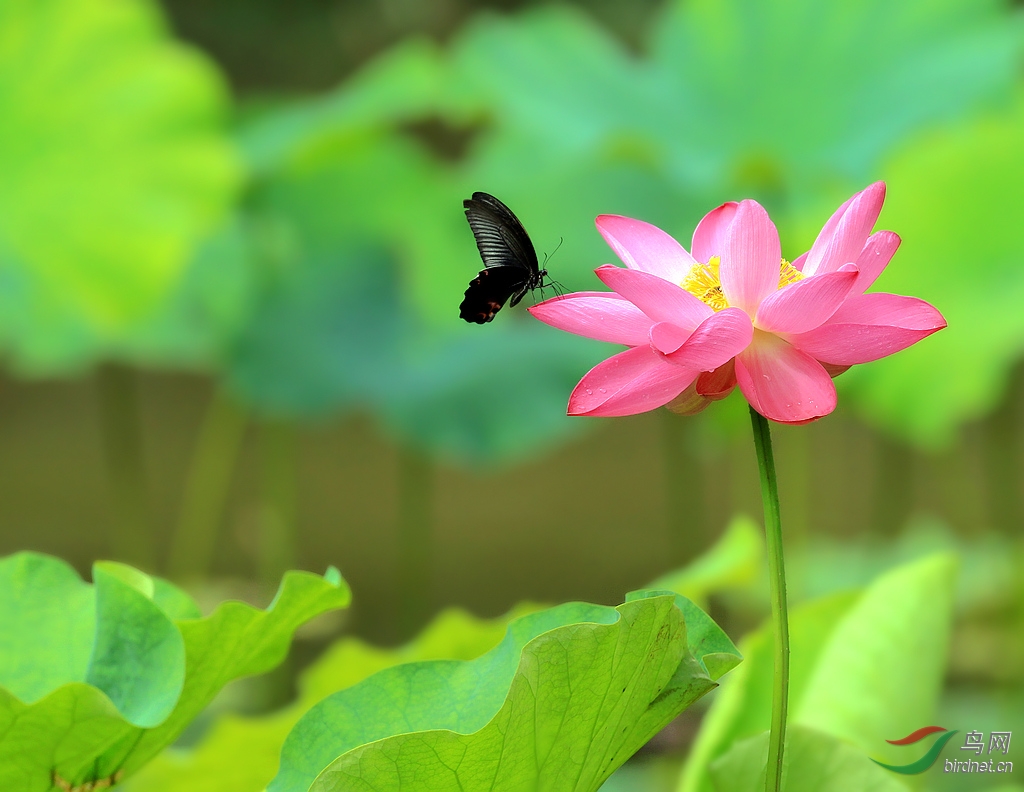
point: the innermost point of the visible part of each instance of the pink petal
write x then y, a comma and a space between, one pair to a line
717, 384
875, 257
719, 339
751, 258
843, 236
868, 327
602, 315
783, 383
799, 261
826, 233
804, 305
658, 298
645, 247
709, 236
628, 383
834, 370
667, 337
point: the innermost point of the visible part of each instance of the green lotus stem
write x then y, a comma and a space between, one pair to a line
206, 488
777, 586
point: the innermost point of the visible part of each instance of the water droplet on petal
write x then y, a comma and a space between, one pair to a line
602, 390
589, 392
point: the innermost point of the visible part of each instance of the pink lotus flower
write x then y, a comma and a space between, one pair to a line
734, 312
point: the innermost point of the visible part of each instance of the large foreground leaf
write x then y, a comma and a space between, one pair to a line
241, 754
567, 697
96, 679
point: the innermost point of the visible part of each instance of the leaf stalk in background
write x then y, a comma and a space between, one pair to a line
131, 537
278, 514
416, 490
206, 488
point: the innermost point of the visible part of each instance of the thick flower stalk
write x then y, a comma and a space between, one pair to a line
734, 312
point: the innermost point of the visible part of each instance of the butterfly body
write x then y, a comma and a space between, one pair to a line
510, 261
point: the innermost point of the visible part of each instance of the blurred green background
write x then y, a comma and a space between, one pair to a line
232, 250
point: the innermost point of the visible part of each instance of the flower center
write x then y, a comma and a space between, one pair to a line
704, 283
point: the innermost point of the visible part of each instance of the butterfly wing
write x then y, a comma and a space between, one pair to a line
500, 237
490, 289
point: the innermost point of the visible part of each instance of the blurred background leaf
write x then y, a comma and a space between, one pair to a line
795, 98
969, 181
116, 165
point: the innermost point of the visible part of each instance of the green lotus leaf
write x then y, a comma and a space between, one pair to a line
567, 697
327, 337
400, 85
115, 165
200, 319
241, 754
784, 113
96, 679
866, 667
813, 762
731, 94
486, 395
575, 85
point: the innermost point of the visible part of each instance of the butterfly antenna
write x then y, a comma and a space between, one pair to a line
547, 256
558, 287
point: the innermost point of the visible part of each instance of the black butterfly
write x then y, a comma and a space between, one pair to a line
510, 262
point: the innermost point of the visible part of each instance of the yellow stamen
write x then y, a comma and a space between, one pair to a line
788, 274
704, 283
